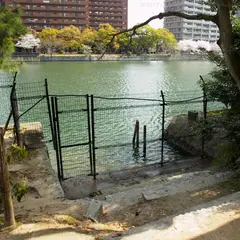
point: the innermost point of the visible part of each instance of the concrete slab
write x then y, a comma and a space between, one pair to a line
205, 221
94, 211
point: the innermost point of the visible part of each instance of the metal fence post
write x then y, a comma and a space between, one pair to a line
93, 138
55, 139
204, 114
89, 136
163, 126
49, 112
59, 136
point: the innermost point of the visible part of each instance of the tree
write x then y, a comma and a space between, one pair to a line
70, 37
165, 40
11, 28
148, 39
221, 86
5, 184
28, 41
104, 36
197, 46
88, 37
49, 39
224, 12
144, 39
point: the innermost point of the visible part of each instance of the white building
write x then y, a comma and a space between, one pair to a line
190, 29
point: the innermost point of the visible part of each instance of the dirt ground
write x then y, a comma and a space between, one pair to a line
59, 214
42, 210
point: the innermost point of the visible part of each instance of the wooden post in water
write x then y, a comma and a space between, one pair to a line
5, 185
144, 140
136, 134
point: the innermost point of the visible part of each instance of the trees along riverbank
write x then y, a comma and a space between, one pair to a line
71, 39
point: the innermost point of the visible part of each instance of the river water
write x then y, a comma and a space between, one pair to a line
116, 78
177, 79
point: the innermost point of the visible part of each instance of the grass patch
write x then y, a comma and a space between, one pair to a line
16, 153
9, 229
217, 112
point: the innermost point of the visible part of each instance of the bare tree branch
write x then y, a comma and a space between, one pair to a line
200, 16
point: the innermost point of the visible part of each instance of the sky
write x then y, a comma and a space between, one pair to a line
141, 10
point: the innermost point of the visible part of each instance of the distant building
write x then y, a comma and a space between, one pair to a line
41, 14
190, 29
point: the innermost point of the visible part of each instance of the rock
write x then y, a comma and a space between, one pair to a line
94, 211
192, 116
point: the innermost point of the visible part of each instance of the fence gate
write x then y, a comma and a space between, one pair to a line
115, 119
72, 135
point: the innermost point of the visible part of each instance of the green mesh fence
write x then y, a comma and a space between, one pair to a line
5, 90
113, 118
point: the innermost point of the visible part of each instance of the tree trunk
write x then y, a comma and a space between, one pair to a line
226, 40
5, 185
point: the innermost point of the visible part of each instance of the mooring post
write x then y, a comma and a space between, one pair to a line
136, 129
137, 132
163, 126
144, 140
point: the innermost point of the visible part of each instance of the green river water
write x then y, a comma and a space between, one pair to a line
177, 79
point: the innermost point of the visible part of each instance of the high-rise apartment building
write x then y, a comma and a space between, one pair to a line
40, 14
190, 29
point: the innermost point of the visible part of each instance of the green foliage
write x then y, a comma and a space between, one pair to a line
11, 28
221, 86
20, 189
229, 156
236, 36
103, 38
61, 51
84, 49
205, 129
49, 40
87, 41
150, 40
70, 37
16, 153
231, 123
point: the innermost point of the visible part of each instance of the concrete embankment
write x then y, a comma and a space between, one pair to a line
86, 58
183, 133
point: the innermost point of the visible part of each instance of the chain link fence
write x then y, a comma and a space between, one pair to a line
97, 134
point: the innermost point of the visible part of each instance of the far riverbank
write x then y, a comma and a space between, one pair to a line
108, 57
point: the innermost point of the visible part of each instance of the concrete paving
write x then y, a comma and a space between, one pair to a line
205, 221
218, 219
64, 236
